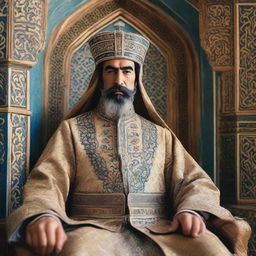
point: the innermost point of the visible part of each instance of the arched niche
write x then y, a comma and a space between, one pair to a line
182, 69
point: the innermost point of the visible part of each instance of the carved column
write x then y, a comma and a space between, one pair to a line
22, 28
228, 37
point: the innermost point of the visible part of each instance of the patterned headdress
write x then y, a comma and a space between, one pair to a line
118, 45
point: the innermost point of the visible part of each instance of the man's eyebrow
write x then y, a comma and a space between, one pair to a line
115, 68
110, 67
127, 68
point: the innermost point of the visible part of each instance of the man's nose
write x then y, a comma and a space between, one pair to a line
119, 78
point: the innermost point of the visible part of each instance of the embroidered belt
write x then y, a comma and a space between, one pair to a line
98, 205
113, 205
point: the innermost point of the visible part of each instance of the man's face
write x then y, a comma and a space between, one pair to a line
119, 72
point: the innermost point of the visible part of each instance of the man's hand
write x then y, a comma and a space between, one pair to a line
190, 225
46, 235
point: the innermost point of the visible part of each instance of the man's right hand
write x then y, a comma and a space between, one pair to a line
45, 236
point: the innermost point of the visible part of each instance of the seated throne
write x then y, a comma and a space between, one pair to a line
174, 69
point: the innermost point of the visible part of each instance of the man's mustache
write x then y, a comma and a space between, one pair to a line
127, 93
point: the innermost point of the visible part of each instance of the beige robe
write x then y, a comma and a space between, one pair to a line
124, 177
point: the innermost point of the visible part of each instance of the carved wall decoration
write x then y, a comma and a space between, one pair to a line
217, 32
3, 87
18, 88
247, 154
155, 69
247, 56
28, 31
82, 67
18, 159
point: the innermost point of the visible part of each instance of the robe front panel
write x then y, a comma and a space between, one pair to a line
125, 156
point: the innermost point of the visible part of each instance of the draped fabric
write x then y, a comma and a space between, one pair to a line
113, 174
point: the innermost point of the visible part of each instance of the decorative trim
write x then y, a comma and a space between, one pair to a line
234, 127
15, 111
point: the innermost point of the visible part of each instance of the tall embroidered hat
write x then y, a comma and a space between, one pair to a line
118, 44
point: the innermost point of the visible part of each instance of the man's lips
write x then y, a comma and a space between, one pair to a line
121, 93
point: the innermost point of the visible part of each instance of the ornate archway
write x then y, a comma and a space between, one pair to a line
182, 99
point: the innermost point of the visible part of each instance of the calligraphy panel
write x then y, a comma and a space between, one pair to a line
217, 32
18, 88
28, 20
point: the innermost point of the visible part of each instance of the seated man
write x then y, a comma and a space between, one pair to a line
113, 175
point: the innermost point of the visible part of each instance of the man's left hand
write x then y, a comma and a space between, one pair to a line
190, 224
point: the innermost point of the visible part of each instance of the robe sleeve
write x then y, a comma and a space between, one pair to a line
48, 184
190, 187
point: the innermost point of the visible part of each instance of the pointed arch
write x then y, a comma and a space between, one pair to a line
183, 104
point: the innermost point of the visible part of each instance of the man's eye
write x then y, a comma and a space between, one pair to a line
111, 71
127, 71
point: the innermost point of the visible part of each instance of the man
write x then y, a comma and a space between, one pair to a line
113, 176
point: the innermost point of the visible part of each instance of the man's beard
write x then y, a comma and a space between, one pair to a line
116, 105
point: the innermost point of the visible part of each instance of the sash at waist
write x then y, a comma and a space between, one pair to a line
114, 205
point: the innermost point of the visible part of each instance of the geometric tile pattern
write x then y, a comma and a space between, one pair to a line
82, 67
